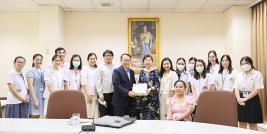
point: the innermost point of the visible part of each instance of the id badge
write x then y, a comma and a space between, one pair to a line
41, 88
245, 94
18, 90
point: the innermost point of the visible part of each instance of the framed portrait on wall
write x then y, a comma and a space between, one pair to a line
143, 39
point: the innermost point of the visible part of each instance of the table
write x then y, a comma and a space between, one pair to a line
60, 126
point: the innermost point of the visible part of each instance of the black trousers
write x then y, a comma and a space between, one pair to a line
108, 109
121, 111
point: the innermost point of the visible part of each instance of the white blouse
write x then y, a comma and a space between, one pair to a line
73, 79
89, 79
185, 76
212, 74
199, 84
226, 80
167, 82
55, 78
249, 82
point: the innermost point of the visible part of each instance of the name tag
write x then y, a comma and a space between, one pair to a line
245, 94
41, 89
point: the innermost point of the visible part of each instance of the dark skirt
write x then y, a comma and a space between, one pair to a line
147, 107
251, 112
16, 110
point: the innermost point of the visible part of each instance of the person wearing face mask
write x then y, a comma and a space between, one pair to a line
190, 68
247, 87
54, 79
199, 81
225, 79
73, 75
182, 73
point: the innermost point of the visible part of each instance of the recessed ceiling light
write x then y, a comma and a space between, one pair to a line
106, 4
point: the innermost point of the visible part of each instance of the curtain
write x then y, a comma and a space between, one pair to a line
259, 47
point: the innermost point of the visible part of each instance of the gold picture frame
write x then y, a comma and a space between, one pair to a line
143, 39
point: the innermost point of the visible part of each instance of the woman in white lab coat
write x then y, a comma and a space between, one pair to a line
17, 98
54, 79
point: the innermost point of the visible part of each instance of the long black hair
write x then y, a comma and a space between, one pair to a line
230, 68
209, 64
196, 74
161, 66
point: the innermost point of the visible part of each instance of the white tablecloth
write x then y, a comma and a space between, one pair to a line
58, 126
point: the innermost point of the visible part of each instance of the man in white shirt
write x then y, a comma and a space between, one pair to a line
104, 84
62, 53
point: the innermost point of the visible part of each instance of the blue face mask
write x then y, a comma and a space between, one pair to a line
199, 69
76, 64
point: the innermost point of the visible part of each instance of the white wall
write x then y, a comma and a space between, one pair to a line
18, 36
237, 33
181, 34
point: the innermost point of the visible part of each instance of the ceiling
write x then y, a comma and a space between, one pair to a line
127, 5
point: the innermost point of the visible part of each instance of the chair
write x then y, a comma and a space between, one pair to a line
1, 112
217, 107
63, 103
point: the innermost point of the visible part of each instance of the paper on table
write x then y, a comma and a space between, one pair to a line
140, 89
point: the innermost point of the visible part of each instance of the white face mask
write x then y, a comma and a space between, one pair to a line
245, 67
180, 67
191, 66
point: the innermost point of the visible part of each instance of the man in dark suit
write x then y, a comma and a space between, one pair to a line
123, 80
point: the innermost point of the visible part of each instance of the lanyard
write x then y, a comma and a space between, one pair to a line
224, 78
22, 78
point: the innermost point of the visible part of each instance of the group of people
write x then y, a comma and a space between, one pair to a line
174, 90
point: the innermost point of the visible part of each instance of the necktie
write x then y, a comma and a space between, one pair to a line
128, 73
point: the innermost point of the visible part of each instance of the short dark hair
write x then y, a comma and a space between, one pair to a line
34, 56
108, 52
19, 57
55, 56
147, 56
90, 55
230, 68
59, 49
71, 60
126, 55
247, 59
